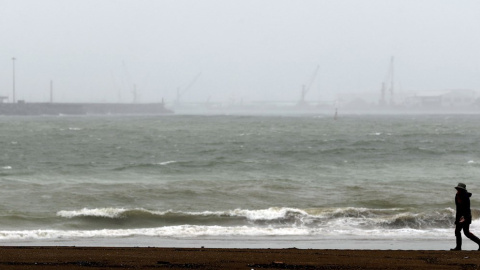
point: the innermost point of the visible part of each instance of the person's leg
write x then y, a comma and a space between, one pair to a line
471, 236
458, 236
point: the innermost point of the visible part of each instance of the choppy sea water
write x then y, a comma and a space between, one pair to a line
235, 178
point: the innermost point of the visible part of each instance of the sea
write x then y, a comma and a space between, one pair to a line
251, 181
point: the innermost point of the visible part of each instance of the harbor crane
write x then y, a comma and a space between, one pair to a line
181, 92
388, 83
307, 87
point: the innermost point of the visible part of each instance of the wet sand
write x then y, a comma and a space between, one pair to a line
207, 258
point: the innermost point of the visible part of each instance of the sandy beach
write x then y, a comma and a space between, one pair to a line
207, 258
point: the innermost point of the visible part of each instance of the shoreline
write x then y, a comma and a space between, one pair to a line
258, 242
61, 257
441, 242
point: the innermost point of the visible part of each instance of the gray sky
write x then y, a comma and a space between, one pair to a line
252, 50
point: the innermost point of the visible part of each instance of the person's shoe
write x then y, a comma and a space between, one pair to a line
457, 248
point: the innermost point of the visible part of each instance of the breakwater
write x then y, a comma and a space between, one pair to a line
81, 108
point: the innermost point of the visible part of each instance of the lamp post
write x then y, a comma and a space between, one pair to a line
13, 65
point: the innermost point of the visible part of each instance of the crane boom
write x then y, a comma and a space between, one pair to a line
307, 87
312, 79
189, 85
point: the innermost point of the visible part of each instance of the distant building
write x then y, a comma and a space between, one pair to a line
3, 98
458, 98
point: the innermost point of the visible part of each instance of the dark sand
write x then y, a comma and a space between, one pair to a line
206, 258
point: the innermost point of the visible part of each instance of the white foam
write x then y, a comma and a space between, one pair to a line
266, 214
171, 231
186, 231
167, 162
109, 212
262, 214
97, 212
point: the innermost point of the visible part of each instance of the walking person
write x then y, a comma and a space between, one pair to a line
463, 216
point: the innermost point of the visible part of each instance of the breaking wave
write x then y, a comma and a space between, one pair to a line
278, 217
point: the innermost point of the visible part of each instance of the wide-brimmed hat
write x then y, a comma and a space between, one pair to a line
461, 186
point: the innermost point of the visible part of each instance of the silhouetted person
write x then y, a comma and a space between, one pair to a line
463, 216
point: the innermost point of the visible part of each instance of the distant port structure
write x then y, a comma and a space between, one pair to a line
21, 107
388, 99
24, 108
51, 108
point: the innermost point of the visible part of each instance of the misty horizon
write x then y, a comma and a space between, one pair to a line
236, 51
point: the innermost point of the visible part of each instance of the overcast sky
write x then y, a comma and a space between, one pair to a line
237, 49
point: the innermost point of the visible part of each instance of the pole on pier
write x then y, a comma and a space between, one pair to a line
51, 91
13, 88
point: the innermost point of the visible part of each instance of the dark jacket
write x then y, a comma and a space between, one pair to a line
462, 201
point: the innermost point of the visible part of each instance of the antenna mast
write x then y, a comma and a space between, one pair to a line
135, 94
51, 91
391, 81
13, 90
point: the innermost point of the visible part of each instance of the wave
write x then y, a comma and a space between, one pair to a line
177, 165
140, 166
278, 217
167, 162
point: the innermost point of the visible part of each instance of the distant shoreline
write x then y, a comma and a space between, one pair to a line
159, 108
82, 108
